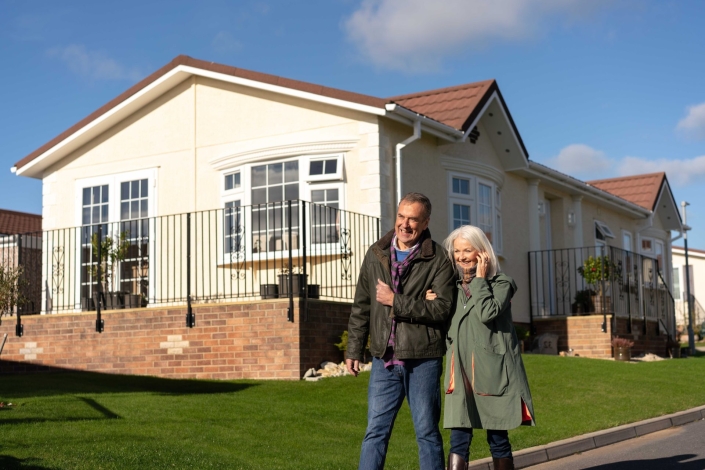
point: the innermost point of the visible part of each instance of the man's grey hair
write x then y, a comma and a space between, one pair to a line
478, 240
411, 198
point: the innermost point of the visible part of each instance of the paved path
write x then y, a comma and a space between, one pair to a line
630, 435
680, 448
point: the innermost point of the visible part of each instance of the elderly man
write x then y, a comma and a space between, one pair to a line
406, 331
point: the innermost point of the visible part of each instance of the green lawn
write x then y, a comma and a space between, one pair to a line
94, 421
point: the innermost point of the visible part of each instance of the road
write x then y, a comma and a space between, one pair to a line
680, 448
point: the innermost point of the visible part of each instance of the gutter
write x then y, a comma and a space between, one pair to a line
430, 125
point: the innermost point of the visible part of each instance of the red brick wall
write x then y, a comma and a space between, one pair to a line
230, 341
584, 335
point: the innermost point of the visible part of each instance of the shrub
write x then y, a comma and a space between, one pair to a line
600, 268
343, 345
618, 342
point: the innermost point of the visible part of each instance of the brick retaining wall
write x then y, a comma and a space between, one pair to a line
250, 340
584, 335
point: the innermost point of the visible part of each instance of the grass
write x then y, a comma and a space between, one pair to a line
93, 421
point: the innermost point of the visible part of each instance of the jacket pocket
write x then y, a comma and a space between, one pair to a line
489, 373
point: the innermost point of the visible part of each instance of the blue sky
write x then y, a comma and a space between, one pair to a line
597, 88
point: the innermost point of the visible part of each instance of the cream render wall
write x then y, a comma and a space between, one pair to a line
180, 133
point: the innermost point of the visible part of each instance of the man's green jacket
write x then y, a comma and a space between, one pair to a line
421, 323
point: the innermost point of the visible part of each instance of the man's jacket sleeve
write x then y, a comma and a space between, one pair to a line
416, 309
359, 323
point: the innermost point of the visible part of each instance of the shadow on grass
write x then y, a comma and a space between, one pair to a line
58, 381
675, 462
8, 462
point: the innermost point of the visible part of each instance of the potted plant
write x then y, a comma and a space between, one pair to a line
622, 349
11, 284
596, 270
113, 250
583, 302
298, 282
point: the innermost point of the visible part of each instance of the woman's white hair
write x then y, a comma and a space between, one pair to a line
478, 240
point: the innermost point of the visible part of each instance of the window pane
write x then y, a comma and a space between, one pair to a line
86, 216
134, 209
135, 189
316, 168
86, 196
274, 174
331, 166
292, 171
228, 182
275, 194
124, 191
145, 191
124, 210
259, 196
96, 215
259, 177
104, 190
292, 192
96, 195
318, 195
461, 186
332, 194
143, 208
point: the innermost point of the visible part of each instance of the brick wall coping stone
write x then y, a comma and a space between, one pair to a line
572, 317
559, 449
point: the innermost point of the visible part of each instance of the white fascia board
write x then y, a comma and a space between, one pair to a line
282, 90
150, 92
585, 189
103, 122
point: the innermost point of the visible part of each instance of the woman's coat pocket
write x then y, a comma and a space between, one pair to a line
489, 373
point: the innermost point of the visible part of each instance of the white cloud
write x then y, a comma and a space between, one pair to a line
226, 43
582, 161
694, 122
93, 65
679, 172
416, 35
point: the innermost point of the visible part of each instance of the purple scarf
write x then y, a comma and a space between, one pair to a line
399, 271
466, 276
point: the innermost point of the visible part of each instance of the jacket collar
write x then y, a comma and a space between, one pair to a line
427, 248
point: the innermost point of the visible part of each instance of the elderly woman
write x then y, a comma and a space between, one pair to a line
485, 381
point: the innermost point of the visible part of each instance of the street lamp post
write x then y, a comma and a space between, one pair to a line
691, 334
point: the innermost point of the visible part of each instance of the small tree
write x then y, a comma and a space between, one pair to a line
11, 284
597, 269
113, 250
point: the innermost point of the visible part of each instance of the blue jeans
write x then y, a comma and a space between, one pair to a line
460, 439
419, 381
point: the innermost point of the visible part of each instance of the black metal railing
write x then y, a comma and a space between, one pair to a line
599, 280
282, 249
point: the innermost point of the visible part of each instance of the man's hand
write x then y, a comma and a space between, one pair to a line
353, 366
385, 296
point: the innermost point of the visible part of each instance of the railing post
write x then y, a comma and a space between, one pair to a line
302, 226
190, 316
602, 281
290, 313
532, 329
99, 323
19, 328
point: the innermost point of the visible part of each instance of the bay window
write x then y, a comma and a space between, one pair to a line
476, 201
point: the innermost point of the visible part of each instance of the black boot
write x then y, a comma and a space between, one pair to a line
506, 463
456, 462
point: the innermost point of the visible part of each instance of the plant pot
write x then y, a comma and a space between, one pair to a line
87, 304
623, 354
133, 301
114, 300
599, 302
269, 291
298, 282
314, 291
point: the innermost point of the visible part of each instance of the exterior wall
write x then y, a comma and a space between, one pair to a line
180, 134
234, 341
696, 259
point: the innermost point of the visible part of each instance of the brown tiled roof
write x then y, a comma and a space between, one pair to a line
452, 106
12, 222
456, 107
642, 190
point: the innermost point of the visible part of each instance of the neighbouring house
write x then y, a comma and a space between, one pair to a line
696, 268
212, 189
16, 227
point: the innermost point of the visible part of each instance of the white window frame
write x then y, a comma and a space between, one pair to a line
306, 184
325, 248
306, 160
472, 200
113, 181
604, 229
627, 235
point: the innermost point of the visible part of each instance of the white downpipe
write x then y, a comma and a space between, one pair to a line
401, 145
